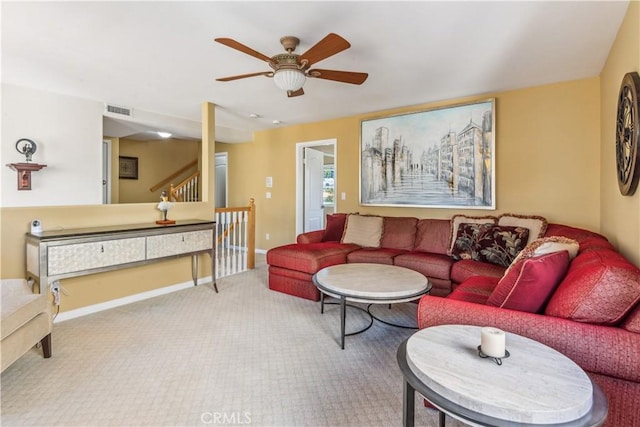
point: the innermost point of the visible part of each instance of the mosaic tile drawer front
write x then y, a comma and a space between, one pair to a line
87, 256
178, 243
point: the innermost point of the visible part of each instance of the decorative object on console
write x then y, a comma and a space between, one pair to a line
36, 226
164, 206
453, 162
27, 147
628, 134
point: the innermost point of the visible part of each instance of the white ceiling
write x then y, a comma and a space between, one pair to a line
160, 56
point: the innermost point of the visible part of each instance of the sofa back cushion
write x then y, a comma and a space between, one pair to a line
529, 283
571, 232
399, 233
600, 287
433, 236
363, 230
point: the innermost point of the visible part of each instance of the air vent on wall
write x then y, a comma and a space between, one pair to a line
121, 111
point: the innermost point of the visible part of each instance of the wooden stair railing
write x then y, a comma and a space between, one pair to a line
174, 175
187, 190
235, 239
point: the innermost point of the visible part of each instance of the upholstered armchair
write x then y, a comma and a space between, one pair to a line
26, 320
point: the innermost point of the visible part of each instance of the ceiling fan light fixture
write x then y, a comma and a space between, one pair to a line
289, 79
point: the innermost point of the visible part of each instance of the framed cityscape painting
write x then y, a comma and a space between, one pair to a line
440, 158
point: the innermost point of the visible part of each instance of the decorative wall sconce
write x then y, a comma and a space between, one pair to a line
26, 147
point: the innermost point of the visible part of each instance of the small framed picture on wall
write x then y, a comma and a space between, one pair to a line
128, 167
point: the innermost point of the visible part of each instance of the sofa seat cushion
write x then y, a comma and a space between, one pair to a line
430, 265
600, 287
376, 256
19, 305
310, 257
399, 233
433, 236
476, 289
467, 268
528, 285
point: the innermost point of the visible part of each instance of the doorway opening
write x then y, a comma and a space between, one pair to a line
221, 180
316, 181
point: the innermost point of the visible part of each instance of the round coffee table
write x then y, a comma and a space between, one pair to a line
535, 386
369, 283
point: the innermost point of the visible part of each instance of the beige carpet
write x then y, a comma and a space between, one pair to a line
245, 356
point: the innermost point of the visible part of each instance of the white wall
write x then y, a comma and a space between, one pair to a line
68, 132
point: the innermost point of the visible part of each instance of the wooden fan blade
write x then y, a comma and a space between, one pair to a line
242, 48
328, 46
244, 76
339, 76
292, 93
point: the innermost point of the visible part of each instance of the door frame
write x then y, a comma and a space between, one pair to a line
300, 146
106, 171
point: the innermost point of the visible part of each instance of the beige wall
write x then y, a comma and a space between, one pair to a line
547, 155
620, 214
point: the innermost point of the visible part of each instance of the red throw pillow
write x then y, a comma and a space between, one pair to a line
334, 228
528, 285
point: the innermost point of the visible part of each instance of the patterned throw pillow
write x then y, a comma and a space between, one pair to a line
490, 243
456, 220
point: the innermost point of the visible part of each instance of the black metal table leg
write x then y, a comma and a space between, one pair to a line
408, 409
441, 418
343, 314
321, 302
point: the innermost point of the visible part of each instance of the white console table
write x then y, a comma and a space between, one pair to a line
60, 254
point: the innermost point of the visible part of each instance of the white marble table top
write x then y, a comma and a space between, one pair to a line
536, 384
365, 282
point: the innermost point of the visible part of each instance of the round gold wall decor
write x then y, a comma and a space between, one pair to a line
628, 134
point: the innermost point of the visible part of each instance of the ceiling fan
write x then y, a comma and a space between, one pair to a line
291, 70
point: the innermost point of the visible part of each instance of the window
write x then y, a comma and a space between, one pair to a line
328, 185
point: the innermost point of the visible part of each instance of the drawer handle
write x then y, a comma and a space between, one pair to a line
101, 248
183, 238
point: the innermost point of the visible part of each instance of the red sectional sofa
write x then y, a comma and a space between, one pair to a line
592, 314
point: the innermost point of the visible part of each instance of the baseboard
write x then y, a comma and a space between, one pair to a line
90, 309
261, 251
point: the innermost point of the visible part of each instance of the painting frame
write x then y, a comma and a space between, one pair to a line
442, 157
127, 167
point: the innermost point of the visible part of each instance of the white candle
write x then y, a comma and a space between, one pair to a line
492, 342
